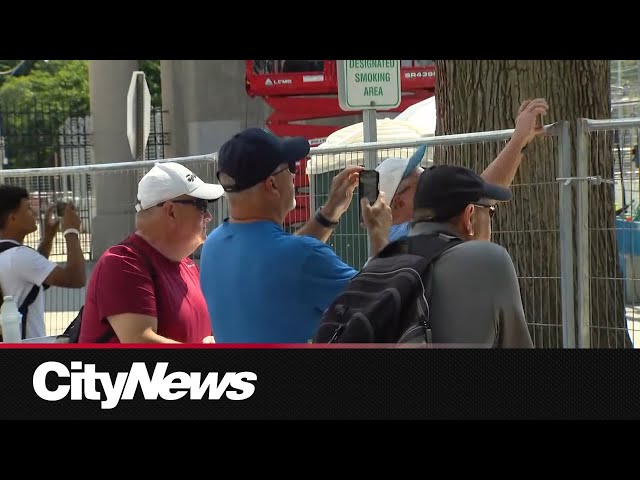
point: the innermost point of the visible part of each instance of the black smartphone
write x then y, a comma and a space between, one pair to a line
61, 205
368, 185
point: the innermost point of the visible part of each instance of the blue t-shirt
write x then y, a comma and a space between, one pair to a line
263, 285
399, 231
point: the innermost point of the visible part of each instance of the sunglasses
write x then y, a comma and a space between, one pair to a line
291, 167
492, 208
199, 203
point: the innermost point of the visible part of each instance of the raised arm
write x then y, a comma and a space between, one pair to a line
73, 273
338, 201
503, 169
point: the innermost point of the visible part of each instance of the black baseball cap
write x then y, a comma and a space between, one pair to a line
250, 156
448, 189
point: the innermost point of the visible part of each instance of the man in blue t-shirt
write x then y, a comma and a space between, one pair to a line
263, 285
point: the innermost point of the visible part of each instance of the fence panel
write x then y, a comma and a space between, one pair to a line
532, 235
608, 244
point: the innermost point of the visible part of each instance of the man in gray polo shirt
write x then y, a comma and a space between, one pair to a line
475, 296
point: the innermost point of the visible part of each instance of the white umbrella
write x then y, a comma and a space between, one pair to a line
417, 121
422, 113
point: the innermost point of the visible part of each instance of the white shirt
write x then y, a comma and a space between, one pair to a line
20, 269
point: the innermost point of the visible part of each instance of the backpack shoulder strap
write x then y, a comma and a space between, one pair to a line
431, 246
24, 308
4, 245
395, 248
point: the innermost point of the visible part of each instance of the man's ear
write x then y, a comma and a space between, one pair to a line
468, 220
270, 185
169, 209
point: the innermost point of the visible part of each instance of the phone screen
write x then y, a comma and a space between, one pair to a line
368, 186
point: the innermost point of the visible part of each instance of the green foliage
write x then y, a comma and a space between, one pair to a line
34, 107
151, 69
56, 83
39, 97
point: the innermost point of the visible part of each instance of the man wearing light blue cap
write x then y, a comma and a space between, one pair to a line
398, 180
399, 176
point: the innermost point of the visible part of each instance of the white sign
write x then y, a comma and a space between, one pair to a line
138, 114
369, 84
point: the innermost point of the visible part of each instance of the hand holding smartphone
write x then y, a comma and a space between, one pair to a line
61, 205
368, 185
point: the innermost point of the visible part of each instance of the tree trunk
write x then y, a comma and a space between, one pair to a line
483, 95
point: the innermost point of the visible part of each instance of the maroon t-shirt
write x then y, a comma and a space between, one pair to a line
121, 282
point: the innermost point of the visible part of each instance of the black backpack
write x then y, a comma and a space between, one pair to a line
388, 300
72, 332
31, 296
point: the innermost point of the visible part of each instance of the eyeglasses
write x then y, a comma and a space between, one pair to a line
492, 208
291, 167
199, 203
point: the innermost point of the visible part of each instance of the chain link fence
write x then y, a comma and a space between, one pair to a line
534, 239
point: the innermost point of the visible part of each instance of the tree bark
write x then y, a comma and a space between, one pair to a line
483, 95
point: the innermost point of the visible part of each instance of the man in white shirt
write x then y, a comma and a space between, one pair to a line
25, 272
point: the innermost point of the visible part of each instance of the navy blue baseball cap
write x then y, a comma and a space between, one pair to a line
252, 155
448, 189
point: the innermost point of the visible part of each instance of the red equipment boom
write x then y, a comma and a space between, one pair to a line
304, 92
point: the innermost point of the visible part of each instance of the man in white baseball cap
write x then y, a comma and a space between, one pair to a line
398, 180
146, 289
169, 180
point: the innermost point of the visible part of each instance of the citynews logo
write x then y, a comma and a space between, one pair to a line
83, 379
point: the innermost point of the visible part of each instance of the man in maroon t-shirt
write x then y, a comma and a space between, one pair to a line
146, 289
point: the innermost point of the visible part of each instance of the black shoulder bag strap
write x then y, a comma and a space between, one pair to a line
430, 246
31, 296
109, 334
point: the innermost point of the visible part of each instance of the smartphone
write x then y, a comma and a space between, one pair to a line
368, 185
61, 205
540, 122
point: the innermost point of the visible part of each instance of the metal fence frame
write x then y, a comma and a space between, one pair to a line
565, 222
584, 179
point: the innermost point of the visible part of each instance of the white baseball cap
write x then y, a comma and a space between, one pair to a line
393, 170
170, 180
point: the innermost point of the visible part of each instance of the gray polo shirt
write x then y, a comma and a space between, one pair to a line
475, 295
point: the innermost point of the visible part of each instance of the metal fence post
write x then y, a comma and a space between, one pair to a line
582, 236
565, 199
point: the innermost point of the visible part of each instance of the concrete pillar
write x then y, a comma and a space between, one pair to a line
206, 103
115, 193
